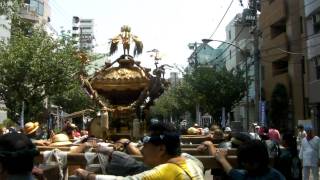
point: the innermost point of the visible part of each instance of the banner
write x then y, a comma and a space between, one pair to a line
262, 114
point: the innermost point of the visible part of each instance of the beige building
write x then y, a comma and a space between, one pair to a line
312, 19
36, 11
282, 56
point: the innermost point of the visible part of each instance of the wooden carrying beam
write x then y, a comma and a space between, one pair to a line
192, 151
209, 162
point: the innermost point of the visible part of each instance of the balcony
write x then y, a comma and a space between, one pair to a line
282, 79
270, 48
28, 13
272, 12
311, 6
313, 46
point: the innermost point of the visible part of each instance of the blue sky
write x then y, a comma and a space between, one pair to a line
167, 25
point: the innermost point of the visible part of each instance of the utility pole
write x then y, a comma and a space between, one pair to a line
194, 57
256, 57
247, 94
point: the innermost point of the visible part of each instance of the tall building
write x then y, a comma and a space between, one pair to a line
4, 29
282, 59
312, 17
3, 112
174, 79
83, 32
36, 11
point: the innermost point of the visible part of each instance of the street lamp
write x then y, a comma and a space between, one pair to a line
245, 54
156, 56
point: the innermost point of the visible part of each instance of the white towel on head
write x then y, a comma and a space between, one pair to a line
103, 161
59, 157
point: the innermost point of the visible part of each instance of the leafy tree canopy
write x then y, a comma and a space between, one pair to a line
33, 66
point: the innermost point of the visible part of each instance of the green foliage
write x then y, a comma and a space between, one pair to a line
217, 88
34, 66
211, 88
72, 100
9, 7
279, 106
7, 123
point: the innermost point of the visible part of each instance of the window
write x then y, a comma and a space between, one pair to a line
316, 23
229, 32
86, 28
317, 66
230, 54
278, 29
40, 10
303, 66
85, 21
37, 6
301, 24
280, 67
318, 72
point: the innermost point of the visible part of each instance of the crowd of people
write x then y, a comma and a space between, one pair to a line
263, 153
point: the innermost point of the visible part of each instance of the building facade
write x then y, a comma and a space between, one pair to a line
36, 11
83, 32
174, 79
204, 55
282, 58
4, 29
3, 112
312, 26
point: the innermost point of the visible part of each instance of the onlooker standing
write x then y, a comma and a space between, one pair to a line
309, 154
274, 134
301, 134
255, 134
252, 157
288, 162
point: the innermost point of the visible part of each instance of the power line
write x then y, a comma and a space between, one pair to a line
234, 53
60, 11
221, 20
294, 40
198, 49
236, 37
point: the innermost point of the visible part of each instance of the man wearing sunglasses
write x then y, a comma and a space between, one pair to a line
161, 150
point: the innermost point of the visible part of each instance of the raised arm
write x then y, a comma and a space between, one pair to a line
219, 154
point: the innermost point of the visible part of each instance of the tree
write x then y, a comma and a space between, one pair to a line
73, 99
213, 89
217, 88
279, 106
9, 7
174, 102
34, 66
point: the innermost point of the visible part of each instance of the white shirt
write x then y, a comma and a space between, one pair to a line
309, 152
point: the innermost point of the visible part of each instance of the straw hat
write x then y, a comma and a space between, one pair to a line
73, 125
30, 127
60, 140
193, 131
